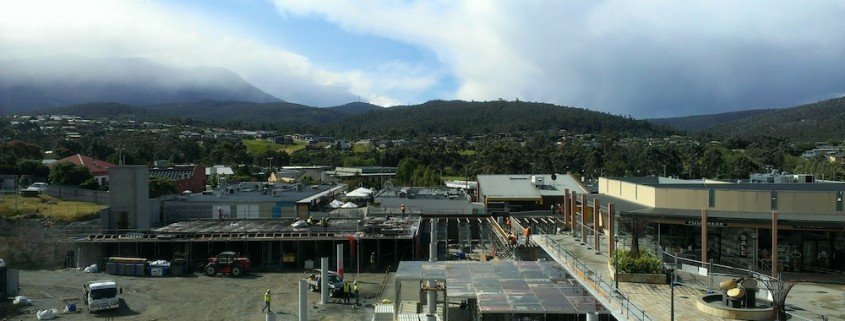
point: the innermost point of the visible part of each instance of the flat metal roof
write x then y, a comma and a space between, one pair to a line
506, 286
269, 229
519, 186
425, 205
287, 194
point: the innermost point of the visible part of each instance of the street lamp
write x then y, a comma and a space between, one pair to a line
616, 260
672, 286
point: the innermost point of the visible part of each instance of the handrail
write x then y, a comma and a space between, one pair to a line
601, 287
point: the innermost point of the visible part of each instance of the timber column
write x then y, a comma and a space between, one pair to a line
596, 213
610, 231
566, 209
774, 244
583, 218
573, 207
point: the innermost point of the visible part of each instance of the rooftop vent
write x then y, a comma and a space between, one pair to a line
537, 180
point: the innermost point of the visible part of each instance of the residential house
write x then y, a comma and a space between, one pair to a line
185, 177
97, 168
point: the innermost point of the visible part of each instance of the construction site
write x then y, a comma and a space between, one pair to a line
399, 255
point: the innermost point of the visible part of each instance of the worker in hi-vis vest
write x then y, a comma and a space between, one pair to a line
266, 308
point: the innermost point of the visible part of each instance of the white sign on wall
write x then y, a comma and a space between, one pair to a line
247, 211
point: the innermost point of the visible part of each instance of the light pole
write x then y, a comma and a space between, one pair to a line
616, 260
754, 237
672, 286
270, 159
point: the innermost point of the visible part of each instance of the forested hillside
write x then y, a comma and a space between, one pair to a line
474, 118
365, 120
819, 121
700, 122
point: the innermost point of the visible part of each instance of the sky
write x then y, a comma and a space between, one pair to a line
633, 58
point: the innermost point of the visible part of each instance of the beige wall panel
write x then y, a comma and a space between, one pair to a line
754, 201
694, 199
807, 202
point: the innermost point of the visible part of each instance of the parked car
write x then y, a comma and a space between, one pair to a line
38, 187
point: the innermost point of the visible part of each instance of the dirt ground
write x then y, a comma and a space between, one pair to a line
196, 297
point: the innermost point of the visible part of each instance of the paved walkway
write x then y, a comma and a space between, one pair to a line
652, 299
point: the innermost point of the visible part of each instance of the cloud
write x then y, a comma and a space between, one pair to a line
178, 37
656, 58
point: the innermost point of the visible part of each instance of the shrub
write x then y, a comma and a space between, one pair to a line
646, 263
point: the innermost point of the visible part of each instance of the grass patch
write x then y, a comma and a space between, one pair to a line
360, 148
297, 145
47, 206
466, 152
259, 146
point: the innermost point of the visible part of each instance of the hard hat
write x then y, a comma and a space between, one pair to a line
268, 290
354, 282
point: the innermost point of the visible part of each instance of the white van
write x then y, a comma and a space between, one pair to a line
101, 295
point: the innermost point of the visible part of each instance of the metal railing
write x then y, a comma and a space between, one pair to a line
599, 285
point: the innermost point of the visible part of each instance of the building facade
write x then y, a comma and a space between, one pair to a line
732, 223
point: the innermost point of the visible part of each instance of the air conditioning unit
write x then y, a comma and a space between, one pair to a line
537, 180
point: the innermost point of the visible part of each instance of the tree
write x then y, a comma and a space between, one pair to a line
279, 158
67, 148
91, 184
33, 168
66, 173
99, 149
741, 166
779, 288
405, 170
160, 186
712, 162
16, 150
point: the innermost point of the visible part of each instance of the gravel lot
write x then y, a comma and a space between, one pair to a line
196, 297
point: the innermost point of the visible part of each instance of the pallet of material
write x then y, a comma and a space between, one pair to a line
132, 260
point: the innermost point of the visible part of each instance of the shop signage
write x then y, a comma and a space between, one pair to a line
709, 223
810, 227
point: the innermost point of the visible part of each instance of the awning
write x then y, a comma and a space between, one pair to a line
336, 204
360, 192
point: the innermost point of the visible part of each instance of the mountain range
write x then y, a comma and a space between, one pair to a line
40, 83
365, 120
819, 121
99, 87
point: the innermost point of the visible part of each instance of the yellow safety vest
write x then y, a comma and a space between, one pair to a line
266, 297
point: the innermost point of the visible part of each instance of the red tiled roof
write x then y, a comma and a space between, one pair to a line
95, 166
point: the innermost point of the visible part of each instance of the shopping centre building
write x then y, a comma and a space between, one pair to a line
732, 222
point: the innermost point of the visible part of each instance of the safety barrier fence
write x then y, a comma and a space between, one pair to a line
593, 280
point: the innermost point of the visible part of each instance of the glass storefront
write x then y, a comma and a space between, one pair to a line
809, 251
